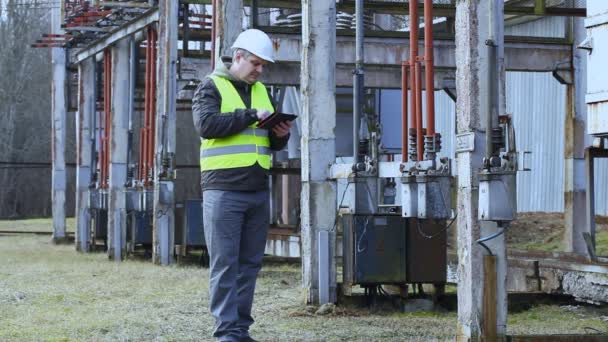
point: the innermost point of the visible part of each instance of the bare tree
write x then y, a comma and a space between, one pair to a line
25, 107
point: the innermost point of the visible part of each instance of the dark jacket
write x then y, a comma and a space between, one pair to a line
210, 124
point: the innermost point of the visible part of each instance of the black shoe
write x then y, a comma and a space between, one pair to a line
247, 339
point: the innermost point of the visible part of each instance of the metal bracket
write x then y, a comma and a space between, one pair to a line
521, 161
586, 44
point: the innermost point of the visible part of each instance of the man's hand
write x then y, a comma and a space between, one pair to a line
262, 114
282, 129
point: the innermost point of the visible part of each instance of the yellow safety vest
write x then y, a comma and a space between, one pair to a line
242, 149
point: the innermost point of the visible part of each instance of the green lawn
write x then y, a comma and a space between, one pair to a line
53, 293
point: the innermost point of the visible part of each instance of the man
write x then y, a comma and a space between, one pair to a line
235, 160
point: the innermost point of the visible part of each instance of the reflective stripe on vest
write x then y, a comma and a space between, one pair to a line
248, 146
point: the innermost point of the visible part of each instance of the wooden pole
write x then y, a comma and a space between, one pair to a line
489, 298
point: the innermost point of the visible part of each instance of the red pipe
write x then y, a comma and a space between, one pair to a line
144, 136
404, 116
102, 123
429, 68
152, 131
140, 169
107, 96
413, 62
109, 117
419, 133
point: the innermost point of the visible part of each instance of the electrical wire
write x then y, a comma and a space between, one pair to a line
340, 206
426, 236
595, 330
359, 249
488, 238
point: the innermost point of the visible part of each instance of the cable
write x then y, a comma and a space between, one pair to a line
436, 234
595, 330
481, 241
359, 249
339, 206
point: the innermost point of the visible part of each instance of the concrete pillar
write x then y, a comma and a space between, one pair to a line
58, 134
164, 156
318, 202
84, 154
498, 245
574, 149
119, 131
229, 16
472, 31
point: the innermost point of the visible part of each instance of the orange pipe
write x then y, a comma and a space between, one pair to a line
429, 68
419, 133
142, 132
109, 119
140, 169
152, 125
404, 116
413, 61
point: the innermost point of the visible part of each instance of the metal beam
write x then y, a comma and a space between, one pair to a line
402, 8
383, 59
84, 136
113, 36
124, 4
522, 54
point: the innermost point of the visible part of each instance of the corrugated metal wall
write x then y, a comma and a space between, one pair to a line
537, 102
548, 176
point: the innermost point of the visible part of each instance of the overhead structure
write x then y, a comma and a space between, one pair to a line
137, 178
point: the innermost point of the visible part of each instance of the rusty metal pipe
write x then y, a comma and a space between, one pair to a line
404, 116
102, 122
413, 62
108, 116
152, 131
419, 132
142, 132
429, 68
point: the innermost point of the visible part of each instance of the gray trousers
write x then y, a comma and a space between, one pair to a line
236, 224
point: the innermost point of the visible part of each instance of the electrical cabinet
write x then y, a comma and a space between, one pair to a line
390, 249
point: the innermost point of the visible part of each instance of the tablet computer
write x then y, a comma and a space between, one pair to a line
275, 119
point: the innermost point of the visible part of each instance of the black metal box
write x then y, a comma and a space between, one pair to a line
374, 249
390, 249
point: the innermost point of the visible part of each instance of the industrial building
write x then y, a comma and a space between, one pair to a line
480, 110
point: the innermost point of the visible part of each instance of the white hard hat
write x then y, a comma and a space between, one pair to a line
256, 42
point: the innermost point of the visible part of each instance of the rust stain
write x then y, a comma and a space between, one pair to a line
276, 44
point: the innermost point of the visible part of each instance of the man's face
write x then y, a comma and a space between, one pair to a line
250, 68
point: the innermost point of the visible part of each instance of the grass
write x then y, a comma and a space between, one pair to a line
35, 225
52, 293
601, 242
